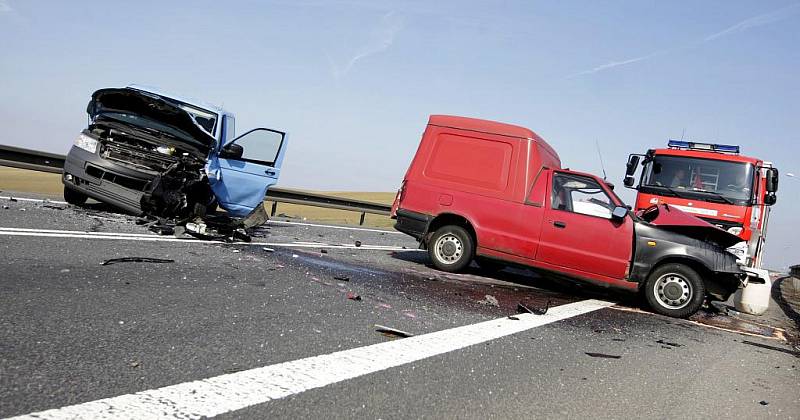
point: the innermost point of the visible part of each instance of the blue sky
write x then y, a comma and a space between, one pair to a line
354, 81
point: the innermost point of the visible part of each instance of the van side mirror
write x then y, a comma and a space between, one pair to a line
619, 213
633, 162
772, 180
770, 199
231, 151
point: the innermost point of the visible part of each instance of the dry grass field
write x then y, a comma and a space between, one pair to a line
20, 180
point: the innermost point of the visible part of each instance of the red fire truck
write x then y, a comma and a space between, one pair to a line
715, 183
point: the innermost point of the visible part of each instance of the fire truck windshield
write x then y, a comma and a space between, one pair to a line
699, 179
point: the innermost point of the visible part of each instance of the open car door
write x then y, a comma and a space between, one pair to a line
243, 169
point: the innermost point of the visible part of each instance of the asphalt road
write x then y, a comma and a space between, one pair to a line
73, 331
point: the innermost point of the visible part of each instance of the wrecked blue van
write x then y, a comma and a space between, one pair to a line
147, 152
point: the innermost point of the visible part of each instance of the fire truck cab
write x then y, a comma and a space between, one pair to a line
715, 183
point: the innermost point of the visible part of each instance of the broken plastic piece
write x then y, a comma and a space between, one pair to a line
341, 278
392, 332
268, 249
602, 355
536, 311
196, 227
136, 259
353, 296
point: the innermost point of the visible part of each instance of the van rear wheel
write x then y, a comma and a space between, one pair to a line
674, 290
451, 248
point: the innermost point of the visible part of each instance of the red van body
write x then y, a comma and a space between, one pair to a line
496, 193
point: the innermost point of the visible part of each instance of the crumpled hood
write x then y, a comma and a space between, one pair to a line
112, 102
670, 218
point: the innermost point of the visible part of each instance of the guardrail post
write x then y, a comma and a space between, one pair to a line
274, 208
361, 223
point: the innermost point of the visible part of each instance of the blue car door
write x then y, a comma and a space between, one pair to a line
243, 168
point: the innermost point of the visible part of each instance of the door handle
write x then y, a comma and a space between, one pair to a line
559, 224
269, 172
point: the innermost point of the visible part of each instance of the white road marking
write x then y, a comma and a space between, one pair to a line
282, 222
274, 222
52, 233
35, 200
226, 393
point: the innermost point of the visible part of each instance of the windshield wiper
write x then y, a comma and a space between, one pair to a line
716, 194
674, 192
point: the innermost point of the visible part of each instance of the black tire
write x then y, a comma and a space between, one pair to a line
451, 248
489, 265
76, 198
674, 290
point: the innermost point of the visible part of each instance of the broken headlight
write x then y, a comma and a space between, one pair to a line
86, 143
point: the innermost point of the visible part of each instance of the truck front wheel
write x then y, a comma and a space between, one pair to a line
451, 248
674, 290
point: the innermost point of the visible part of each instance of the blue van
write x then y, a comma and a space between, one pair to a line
148, 152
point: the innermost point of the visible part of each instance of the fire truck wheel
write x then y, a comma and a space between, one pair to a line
451, 248
674, 290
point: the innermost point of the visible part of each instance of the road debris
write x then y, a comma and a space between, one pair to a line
489, 300
762, 402
602, 355
392, 332
268, 249
667, 343
134, 364
137, 259
50, 206
512, 317
12, 199
341, 278
353, 296
536, 311
358, 243
323, 251
6, 207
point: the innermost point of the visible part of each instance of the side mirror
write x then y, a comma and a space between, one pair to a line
628, 181
770, 199
772, 180
231, 151
619, 213
633, 162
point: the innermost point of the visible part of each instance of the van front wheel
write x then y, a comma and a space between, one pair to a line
451, 248
675, 290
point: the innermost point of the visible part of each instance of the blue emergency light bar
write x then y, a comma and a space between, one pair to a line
724, 148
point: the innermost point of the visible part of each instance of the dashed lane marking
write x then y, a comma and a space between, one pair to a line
226, 393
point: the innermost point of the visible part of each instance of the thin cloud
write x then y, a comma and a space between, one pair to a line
380, 40
747, 24
756, 21
5, 7
612, 64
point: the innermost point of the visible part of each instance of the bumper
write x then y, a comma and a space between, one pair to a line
104, 180
412, 223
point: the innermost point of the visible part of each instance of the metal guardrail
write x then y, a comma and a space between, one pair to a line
17, 157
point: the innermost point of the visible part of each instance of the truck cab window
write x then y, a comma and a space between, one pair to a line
578, 194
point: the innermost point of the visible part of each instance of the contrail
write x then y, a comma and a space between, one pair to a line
756, 21
380, 40
742, 26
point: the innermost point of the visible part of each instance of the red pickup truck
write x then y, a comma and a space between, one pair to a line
496, 193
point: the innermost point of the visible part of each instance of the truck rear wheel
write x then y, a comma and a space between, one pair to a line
451, 248
674, 290
73, 197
